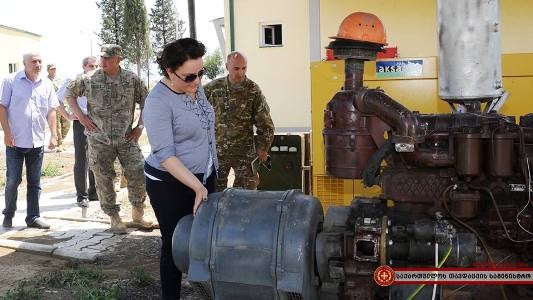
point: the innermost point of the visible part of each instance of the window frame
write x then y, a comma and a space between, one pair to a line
262, 34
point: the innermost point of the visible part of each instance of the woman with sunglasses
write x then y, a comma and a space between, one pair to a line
181, 168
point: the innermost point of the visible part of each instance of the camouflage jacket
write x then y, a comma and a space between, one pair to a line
110, 102
237, 109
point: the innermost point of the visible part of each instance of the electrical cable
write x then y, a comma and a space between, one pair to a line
485, 247
486, 190
420, 287
436, 265
528, 188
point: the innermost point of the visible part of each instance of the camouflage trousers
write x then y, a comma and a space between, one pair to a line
101, 161
244, 177
63, 126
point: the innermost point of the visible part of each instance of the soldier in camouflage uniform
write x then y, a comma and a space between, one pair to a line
63, 124
112, 93
239, 105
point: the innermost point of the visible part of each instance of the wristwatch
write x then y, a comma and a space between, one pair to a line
140, 126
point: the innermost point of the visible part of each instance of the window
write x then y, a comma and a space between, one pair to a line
271, 35
12, 68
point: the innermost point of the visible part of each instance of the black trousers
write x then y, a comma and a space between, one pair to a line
81, 168
171, 200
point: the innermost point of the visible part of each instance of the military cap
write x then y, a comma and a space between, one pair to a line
50, 66
110, 50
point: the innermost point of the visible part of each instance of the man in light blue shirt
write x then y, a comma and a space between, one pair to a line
27, 103
81, 169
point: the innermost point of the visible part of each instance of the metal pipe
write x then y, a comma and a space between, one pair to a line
353, 70
232, 25
406, 131
192, 19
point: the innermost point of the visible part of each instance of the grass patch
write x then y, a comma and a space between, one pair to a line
84, 283
141, 278
74, 278
112, 293
51, 169
21, 292
2, 182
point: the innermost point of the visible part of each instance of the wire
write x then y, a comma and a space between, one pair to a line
436, 265
486, 190
481, 240
528, 187
420, 287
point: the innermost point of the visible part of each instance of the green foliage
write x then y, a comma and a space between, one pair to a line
51, 169
163, 24
82, 283
137, 49
74, 277
112, 31
140, 277
21, 292
112, 293
213, 64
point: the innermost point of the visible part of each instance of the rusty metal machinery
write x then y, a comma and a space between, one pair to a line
456, 179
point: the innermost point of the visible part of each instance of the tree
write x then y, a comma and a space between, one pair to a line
213, 64
164, 27
112, 31
137, 49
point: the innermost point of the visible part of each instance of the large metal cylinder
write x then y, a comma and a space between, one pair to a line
500, 155
469, 50
468, 154
348, 144
251, 245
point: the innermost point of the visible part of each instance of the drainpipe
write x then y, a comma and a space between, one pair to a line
192, 19
232, 25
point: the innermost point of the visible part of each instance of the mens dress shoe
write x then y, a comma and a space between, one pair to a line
38, 223
8, 222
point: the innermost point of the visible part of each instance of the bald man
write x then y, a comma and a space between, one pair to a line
27, 103
239, 106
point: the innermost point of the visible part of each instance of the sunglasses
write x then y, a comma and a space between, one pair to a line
256, 163
191, 77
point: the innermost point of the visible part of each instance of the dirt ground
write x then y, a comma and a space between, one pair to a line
131, 271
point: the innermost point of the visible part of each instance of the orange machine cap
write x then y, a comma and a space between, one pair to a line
362, 27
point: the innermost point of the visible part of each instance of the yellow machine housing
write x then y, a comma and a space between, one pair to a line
417, 92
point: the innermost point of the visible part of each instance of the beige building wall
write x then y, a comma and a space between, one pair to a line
14, 43
281, 72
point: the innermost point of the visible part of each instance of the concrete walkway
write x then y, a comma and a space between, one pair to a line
75, 233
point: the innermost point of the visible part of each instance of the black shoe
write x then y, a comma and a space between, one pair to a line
94, 199
8, 222
38, 223
83, 203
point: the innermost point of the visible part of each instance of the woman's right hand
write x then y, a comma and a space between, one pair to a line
201, 196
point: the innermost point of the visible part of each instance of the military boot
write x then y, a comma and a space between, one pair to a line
137, 220
116, 224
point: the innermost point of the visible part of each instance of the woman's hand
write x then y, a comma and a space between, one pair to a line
201, 196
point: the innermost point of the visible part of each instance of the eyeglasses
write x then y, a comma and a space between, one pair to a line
191, 77
256, 163
92, 66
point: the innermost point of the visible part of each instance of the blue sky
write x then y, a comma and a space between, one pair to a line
68, 26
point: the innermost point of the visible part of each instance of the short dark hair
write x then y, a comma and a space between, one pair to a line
176, 53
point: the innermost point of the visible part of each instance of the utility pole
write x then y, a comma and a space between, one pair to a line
192, 19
